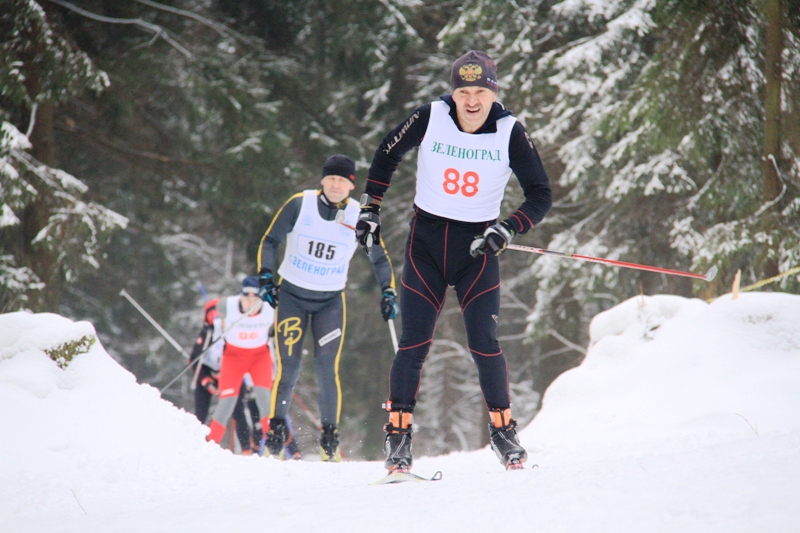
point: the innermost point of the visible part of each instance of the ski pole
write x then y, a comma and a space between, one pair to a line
203, 291
212, 343
196, 376
340, 220
709, 276
314, 420
155, 324
712, 272
392, 330
393, 333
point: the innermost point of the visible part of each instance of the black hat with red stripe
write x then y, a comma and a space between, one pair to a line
340, 165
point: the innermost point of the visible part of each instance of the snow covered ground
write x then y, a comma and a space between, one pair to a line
685, 416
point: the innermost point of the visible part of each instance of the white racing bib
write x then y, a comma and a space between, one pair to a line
213, 356
318, 251
250, 331
462, 176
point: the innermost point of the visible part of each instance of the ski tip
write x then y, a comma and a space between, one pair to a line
515, 464
519, 466
712, 273
340, 216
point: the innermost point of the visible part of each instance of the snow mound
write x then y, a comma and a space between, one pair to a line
664, 373
84, 421
682, 418
20, 332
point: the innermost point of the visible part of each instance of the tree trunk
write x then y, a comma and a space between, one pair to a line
772, 100
41, 260
773, 71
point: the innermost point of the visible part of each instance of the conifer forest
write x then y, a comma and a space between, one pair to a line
146, 146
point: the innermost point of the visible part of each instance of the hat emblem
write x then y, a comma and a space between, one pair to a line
470, 72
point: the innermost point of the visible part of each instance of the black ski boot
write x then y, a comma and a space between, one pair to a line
329, 444
276, 437
398, 442
293, 449
505, 443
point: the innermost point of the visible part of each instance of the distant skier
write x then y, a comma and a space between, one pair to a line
248, 428
245, 351
207, 384
314, 271
208, 373
468, 147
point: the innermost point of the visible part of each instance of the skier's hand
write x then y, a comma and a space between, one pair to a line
389, 305
267, 290
494, 240
368, 227
210, 384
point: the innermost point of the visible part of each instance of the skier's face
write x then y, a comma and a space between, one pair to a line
248, 301
472, 106
336, 188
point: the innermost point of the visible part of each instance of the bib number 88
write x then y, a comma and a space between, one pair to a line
452, 182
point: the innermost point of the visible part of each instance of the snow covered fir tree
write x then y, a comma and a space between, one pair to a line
146, 146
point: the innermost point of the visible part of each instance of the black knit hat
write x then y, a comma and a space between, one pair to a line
250, 285
474, 69
340, 165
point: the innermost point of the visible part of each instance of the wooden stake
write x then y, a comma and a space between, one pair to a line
735, 289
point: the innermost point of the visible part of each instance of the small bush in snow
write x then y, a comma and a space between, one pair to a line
65, 353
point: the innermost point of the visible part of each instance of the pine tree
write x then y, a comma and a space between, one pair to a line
650, 116
49, 232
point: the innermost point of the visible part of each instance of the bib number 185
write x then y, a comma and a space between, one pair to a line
320, 250
454, 182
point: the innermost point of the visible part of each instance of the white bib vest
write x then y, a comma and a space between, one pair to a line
213, 356
462, 176
250, 331
318, 251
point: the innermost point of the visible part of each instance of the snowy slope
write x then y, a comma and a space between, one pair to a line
684, 417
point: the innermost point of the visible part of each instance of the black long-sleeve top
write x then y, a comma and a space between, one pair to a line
524, 161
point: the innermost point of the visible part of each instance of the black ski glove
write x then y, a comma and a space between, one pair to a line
267, 290
494, 240
389, 307
368, 227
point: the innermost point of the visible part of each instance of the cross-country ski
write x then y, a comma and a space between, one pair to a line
404, 476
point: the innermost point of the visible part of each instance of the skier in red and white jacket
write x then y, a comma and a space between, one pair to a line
245, 351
